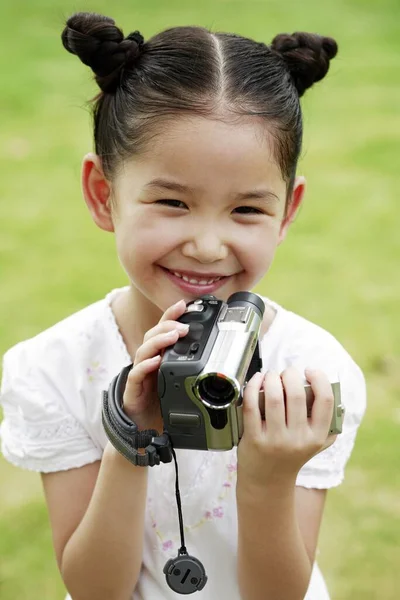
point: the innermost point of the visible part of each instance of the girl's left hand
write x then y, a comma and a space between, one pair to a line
278, 447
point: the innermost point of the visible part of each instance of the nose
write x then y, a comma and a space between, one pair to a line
205, 245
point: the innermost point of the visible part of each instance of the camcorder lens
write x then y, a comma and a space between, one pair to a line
216, 390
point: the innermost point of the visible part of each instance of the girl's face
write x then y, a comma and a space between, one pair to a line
202, 212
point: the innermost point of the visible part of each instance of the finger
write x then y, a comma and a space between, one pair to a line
252, 422
174, 312
155, 345
136, 377
322, 409
275, 417
165, 327
296, 405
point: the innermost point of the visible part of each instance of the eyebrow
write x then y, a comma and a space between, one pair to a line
184, 189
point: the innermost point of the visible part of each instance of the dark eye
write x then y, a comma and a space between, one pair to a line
248, 210
173, 203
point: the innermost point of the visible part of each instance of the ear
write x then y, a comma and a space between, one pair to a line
293, 204
97, 192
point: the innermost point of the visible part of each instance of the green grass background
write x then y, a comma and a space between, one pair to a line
338, 267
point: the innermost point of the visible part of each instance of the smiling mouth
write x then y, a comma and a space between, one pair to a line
198, 279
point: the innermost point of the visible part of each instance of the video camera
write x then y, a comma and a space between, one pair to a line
202, 377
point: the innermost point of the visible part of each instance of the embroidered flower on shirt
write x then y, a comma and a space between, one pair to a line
95, 371
167, 545
216, 512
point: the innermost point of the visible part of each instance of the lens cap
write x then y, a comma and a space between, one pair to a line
185, 574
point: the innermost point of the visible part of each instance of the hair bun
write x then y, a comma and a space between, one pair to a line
101, 45
307, 56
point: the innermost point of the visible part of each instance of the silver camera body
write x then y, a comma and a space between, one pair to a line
202, 377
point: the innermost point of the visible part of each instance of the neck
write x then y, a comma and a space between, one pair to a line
134, 315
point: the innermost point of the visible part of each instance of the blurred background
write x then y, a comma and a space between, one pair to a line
338, 267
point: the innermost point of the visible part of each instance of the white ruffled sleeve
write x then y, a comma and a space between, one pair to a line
40, 431
326, 469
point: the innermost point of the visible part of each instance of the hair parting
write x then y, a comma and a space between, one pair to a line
190, 70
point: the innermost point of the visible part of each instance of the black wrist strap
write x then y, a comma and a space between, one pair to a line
123, 433
184, 574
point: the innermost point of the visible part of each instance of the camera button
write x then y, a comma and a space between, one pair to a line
194, 347
195, 308
184, 420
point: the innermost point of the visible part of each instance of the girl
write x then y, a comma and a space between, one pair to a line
197, 137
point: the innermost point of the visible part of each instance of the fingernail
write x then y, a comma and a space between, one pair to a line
257, 376
171, 334
178, 303
182, 327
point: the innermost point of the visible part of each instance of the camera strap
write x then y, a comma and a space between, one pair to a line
184, 574
123, 433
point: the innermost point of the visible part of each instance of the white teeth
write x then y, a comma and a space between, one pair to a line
196, 281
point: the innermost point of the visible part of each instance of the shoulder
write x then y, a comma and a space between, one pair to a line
67, 343
68, 331
64, 368
51, 390
294, 340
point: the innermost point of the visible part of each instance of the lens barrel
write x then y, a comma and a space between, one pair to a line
239, 298
216, 391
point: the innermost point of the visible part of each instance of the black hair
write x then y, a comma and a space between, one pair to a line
189, 70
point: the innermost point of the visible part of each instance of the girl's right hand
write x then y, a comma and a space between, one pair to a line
141, 402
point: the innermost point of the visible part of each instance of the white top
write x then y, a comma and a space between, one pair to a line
51, 398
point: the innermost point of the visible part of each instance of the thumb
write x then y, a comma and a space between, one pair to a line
135, 400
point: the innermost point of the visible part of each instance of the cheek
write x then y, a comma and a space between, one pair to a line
144, 241
256, 249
